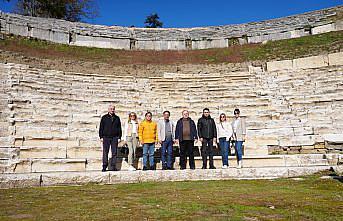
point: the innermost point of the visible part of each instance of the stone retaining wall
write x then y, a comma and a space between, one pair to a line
82, 178
49, 119
117, 37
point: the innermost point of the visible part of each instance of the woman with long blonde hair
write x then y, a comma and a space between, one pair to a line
131, 138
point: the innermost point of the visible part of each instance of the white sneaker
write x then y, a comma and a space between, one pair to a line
224, 167
131, 168
239, 164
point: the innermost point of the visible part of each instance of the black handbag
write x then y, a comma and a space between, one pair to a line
124, 149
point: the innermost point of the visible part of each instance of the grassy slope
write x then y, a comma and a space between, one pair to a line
308, 199
283, 49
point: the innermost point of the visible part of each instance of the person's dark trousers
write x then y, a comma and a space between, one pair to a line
167, 154
207, 150
186, 149
107, 143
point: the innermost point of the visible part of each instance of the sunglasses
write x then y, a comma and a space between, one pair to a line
222, 116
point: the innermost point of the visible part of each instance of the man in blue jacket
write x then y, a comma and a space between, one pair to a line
185, 135
110, 132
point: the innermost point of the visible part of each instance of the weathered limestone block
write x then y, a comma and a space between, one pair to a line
305, 171
311, 62
9, 153
42, 152
323, 29
49, 165
35, 132
95, 164
84, 152
22, 166
279, 65
299, 33
267, 161
101, 42
333, 138
60, 37
299, 131
255, 69
49, 143
306, 140
339, 170
305, 159
19, 180
18, 29
40, 33
333, 159
336, 58
75, 178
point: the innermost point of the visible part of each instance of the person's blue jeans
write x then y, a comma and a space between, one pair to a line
224, 146
148, 151
238, 148
167, 153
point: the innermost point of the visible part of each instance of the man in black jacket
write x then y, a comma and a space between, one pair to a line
207, 132
185, 135
110, 133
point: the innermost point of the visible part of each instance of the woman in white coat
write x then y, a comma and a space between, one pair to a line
131, 138
224, 130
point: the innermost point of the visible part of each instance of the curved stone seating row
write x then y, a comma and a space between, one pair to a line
94, 163
79, 178
117, 37
55, 115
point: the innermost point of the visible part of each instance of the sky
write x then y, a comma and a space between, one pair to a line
195, 13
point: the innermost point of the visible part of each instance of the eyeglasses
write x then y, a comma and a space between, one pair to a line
236, 113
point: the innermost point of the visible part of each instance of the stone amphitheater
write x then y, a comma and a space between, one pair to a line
293, 108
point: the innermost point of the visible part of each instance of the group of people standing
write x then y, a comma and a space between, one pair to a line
184, 133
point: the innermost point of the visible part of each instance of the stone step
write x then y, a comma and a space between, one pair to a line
115, 177
92, 149
8, 153
94, 164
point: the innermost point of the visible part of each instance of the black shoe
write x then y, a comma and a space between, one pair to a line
192, 168
165, 168
204, 168
104, 168
153, 167
145, 168
182, 168
170, 168
213, 168
113, 169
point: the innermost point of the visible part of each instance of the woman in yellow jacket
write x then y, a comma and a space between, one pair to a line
147, 131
